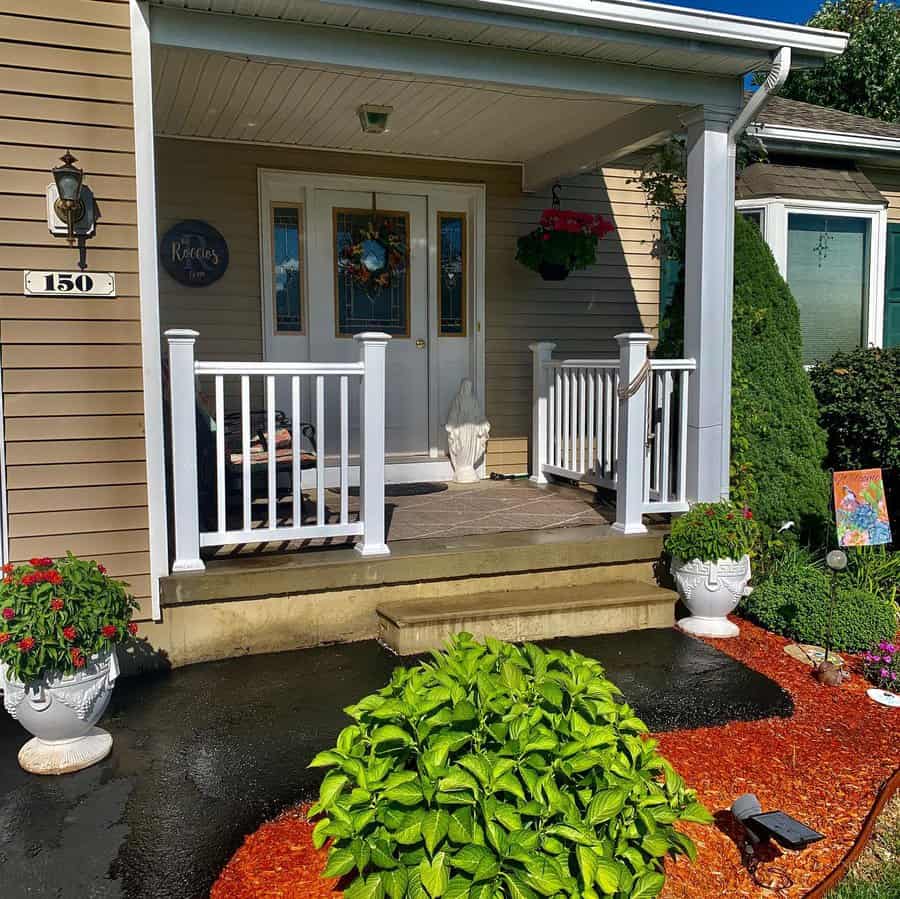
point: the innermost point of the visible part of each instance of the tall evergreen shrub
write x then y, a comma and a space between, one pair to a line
777, 446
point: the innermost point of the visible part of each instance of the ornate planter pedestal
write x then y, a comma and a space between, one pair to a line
62, 713
711, 591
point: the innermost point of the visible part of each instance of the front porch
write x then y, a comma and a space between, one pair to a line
422, 511
258, 133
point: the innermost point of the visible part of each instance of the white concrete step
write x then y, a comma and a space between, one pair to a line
417, 625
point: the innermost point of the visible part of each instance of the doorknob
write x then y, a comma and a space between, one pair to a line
420, 343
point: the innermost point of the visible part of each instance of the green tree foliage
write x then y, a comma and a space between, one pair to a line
859, 407
776, 438
865, 79
496, 771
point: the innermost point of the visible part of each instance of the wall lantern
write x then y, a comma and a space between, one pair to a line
71, 209
374, 119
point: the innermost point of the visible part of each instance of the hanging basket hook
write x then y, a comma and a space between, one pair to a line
554, 192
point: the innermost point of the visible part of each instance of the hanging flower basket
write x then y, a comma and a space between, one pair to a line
563, 242
375, 258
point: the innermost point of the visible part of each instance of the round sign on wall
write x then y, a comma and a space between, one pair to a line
194, 253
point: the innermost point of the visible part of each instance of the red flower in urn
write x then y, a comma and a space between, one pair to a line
58, 614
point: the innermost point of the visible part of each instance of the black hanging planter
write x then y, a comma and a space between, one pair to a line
553, 271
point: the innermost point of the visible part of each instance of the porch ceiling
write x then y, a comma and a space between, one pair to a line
221, 96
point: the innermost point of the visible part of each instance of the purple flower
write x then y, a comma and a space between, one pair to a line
885, 672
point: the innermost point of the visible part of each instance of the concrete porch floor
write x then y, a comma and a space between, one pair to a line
423, 510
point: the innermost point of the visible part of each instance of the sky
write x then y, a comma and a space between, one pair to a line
778, 10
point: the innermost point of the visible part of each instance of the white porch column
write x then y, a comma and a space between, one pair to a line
372, 353
709, 265
634, 382
183, 406
541, 352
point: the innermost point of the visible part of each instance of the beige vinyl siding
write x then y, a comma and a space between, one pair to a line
217, 182
72, 383
888, 182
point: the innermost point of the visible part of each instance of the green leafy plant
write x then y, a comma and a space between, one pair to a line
859, 407
713, 531
874, 569
500, 772
793, 600
865, 78
564, 238
55, 615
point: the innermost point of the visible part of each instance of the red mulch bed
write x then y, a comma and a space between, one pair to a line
824, 765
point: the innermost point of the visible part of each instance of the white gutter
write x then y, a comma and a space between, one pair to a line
820, 137
781, 67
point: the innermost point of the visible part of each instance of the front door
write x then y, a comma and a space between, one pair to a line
892, 288
368, 272
323, 240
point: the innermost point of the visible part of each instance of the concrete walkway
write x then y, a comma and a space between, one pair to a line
205, 754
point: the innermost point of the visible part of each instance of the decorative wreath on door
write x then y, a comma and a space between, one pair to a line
375, 258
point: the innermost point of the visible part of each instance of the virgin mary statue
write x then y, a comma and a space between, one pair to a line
467, 433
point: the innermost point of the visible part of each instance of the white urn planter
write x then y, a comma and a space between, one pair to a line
62, 713
711, 591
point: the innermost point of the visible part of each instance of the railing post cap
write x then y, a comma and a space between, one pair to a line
539, 345
633, 337
181, 334
372, 337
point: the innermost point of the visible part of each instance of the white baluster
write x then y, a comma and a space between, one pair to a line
665, 438
272, 466
296, 454
632, 430
220, 454
373, 349
320, 450
246, 470
183, 407
541, 354
345, 451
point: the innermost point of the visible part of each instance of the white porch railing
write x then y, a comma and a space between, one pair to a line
617, 423
368, 375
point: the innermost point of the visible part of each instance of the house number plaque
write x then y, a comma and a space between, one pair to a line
70, 284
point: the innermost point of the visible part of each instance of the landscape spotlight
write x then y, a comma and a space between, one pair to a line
763, 826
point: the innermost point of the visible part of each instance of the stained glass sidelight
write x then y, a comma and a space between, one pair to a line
287, 273
361, 306
452, 280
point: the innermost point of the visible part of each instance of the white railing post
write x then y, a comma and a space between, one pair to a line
634, 382
183, 415
541, 353
372, 353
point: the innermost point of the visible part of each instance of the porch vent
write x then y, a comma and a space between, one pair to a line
374, 119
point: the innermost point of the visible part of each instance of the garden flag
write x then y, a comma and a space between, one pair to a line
860, 508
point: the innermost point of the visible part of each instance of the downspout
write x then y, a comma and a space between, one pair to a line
781, 67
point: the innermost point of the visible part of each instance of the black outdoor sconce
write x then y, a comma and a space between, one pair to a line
71, 209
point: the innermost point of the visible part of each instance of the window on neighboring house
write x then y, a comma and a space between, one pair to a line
828, 273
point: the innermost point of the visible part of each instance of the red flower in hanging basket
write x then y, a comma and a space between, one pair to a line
27, 644
109, 631
56, 604
4, 638
132, 628
70, 633
78, 659
565, 240
42, 562
8, 613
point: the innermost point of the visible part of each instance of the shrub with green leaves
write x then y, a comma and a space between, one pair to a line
713, 531
794, 601
500, 772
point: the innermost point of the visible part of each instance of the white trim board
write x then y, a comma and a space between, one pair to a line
270, 181
775, 230
148, 280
